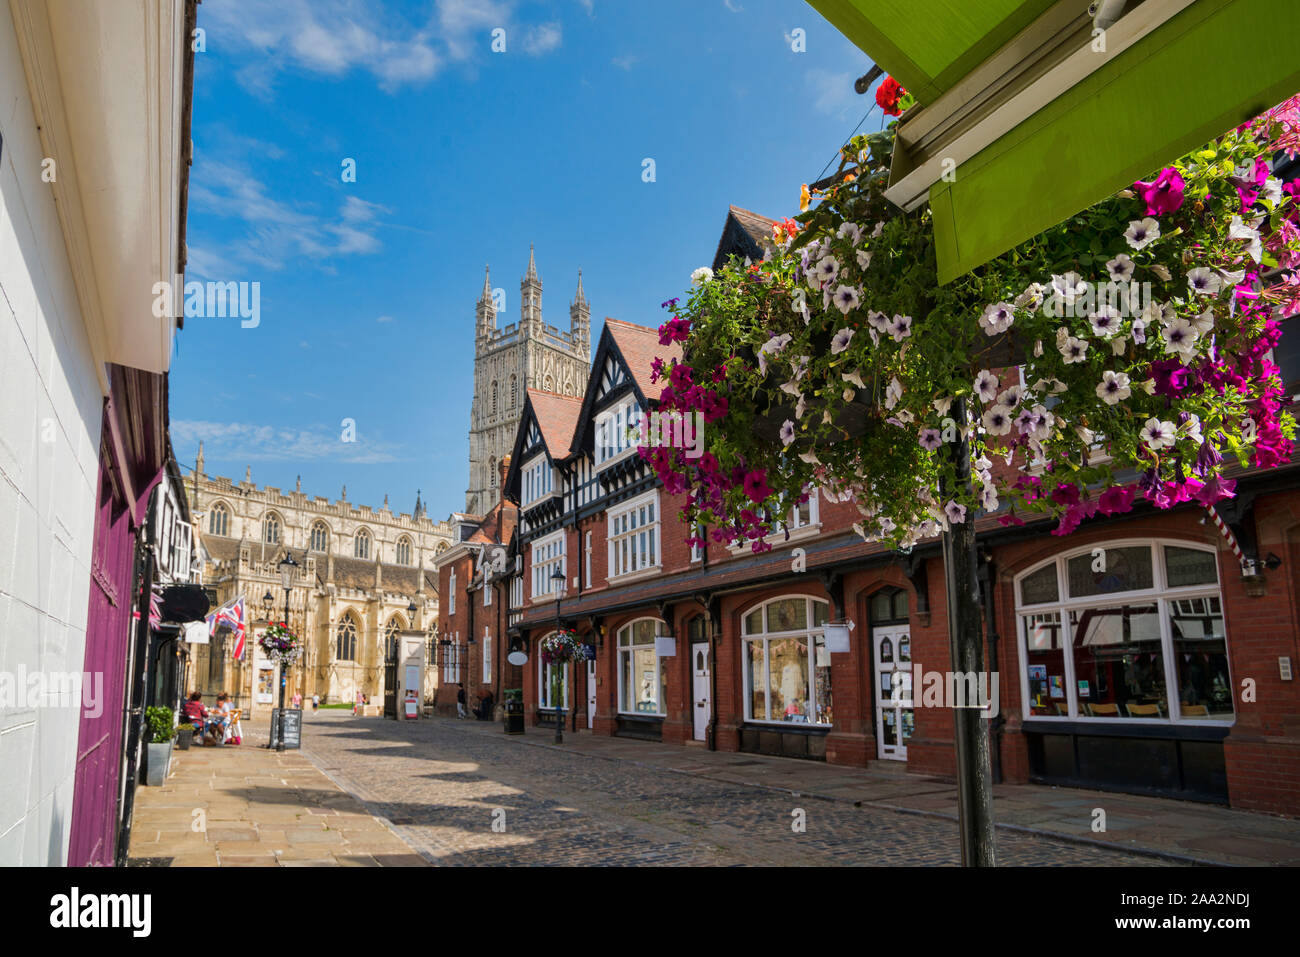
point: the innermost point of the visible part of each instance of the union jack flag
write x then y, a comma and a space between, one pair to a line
233, 614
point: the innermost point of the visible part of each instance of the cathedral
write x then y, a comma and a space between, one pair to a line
364, 574
510, 360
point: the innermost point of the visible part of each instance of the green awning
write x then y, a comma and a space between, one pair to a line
1203, 70
928, 45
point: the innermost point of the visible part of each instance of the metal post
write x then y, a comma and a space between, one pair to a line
284, 680
974, 775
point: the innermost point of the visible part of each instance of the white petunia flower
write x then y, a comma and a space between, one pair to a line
1162, 272
1069, 287
846, 299
1244, 232
1031, 298
852, 230
810, 458
787, 432
1203, 281
997, 420
942, 405
930, 439
986, 386
1142, 232
1120, 268
1011, 397
702, 275
900, 327
864, 258
1105, 321
826, 270
1203, 323
956, 513
997, 318
1180, 339
841, 341
989, 498
1157, 435
854, 377
893, 392
1114, 387
1074, 350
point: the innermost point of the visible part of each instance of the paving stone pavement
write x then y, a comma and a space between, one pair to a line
246, 806
444, 784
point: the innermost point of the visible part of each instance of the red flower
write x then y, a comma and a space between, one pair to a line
756, 487
888, 94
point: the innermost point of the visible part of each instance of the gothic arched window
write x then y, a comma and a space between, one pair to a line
390, 636
219, 520
514, 393
403, 551
345, 644
492, 472
320, 537
361, 544
494, 398
271, 529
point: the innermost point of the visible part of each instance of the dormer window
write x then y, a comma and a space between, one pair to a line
538, 480
617, 430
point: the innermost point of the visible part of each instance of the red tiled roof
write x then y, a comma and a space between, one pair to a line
556, 417
640, 346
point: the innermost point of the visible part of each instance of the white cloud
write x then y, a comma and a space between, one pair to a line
831, 93
732, 6
543, 38
384, 319
625, 62
336, 37
244, 442
277, 231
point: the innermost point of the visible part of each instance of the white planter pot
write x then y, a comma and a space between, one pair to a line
158, 759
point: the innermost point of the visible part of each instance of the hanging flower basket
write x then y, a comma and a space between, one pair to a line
280, 645
561, 647
1131, 338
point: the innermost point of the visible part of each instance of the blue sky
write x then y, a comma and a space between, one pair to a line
463, 157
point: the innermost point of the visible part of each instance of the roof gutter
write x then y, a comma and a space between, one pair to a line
1042, 62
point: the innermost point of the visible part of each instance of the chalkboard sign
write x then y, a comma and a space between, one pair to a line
292, 726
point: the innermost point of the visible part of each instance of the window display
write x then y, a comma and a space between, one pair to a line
787, 666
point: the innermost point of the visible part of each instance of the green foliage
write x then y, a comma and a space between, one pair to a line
162, 724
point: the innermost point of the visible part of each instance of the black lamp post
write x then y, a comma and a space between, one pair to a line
558, 579
287, 565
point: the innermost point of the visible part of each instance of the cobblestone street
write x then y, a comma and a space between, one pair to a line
442, 784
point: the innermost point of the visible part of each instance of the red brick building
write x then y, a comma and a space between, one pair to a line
1132, 655
474, 574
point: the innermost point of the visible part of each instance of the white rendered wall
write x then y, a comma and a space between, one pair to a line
50, 407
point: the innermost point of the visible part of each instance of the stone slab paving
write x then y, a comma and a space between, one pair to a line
246, 806
463, 793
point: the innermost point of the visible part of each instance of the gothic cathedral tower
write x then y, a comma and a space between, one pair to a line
507, 361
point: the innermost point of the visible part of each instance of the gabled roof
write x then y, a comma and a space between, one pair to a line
743, 234
634, 349
556, 416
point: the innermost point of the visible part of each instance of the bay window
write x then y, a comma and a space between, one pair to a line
642, 674
615, 429
538, 479
548, 557
1130, 631
787, 667
634, 536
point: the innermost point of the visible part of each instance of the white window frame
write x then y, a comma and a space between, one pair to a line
547, 555
487, 594
538, 480
810, 633
451, 593
628, 550
487, 656
1160, 594
586, 556
799, 529
612, 425
544, 702
451, 663
697, 551
620, 649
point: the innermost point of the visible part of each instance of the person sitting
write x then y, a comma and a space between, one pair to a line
195, 712
484, 710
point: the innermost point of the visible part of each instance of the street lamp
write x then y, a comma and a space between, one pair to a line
558, 579
287, 566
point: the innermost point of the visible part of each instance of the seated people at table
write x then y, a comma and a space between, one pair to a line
194, 711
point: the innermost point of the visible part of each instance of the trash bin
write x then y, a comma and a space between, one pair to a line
514, 716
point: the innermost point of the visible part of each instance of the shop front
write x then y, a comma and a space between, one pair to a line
1125, 675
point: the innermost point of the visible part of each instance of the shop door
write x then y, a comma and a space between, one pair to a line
700, 687
591, 694
894, 719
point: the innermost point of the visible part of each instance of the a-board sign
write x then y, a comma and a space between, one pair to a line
292, 726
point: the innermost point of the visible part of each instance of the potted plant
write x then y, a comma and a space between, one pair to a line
162, 729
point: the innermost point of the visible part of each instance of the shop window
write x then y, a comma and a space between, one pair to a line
786, 665
546, 674
642, 674
1138, 637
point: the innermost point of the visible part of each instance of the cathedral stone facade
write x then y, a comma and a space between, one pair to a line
509, 361
364, 574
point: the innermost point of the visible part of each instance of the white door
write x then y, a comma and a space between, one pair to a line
700, 668
591, 695
894, 719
